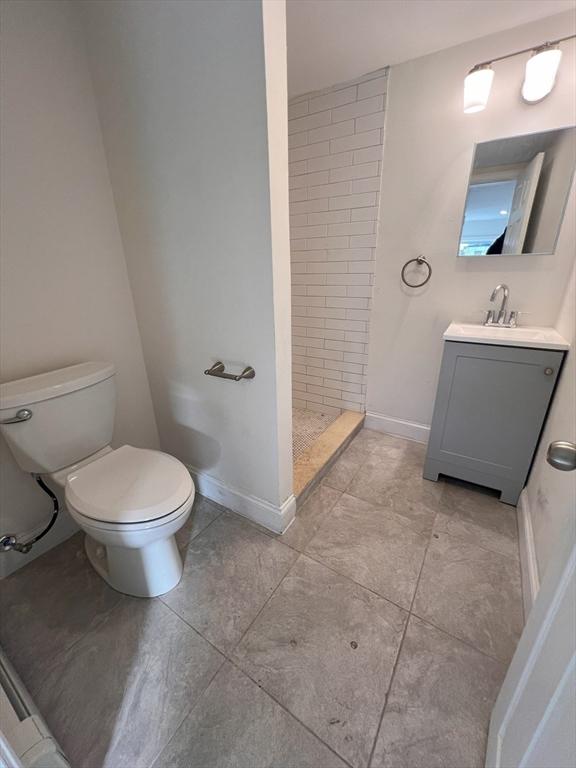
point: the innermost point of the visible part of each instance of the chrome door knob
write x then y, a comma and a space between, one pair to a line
562, 455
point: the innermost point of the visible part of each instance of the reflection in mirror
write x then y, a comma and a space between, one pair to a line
517, 194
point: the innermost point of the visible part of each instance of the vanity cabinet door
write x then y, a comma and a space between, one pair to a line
490, 409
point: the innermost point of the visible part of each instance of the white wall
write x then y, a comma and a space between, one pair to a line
427, 155
336, 138
65, 296
182, 91
551, 494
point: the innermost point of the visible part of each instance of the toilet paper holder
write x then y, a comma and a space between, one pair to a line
218, 370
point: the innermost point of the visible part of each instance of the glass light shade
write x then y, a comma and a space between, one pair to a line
541, 69
477, 87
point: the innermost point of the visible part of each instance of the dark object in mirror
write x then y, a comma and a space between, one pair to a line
517, 194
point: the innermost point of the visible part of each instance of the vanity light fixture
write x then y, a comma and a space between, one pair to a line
539, 79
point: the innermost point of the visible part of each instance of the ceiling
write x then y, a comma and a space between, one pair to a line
332, 41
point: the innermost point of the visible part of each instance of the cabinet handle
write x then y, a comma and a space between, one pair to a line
548, 371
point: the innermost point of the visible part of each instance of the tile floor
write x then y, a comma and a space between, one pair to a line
375, 632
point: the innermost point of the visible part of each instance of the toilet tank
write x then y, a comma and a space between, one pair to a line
72, 415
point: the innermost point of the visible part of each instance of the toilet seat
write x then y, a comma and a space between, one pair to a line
130, 486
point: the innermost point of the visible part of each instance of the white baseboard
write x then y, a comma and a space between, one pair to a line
528, 562
410, 429
276, 519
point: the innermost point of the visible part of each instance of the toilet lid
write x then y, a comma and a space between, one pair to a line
129, 485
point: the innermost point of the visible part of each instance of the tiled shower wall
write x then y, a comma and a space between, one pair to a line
335, 139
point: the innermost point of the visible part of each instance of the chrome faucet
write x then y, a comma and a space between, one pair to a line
501, 318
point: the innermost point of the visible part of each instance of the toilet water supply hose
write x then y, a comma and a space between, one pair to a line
10, 542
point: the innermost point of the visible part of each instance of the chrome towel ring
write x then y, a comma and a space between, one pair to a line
419, 260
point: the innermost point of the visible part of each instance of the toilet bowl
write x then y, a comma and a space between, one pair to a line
129, 501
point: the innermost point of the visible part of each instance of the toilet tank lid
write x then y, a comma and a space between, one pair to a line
45, 386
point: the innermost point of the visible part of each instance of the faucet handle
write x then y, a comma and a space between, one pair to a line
489, 319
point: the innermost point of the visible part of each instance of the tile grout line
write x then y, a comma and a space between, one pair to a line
396, 662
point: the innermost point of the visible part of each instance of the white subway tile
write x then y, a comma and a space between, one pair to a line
309, 322
353, 201
310, 121
346, 325
346, 405
312, 397
334, 132
346, 303
309, 342
306, 279
320, 230
350, 254
298, 351
308, 256
351, 357
310, 206
356, 378
298, 245
368, 155
309, 179
330, 190
311, 151
362, 266
304, 379
323, 408
330, 354
369, 122
294, 169
327, 267
321, 243
328, 312
326, 290
299, 290
353, 336
317, 390
356, 314
348, 279
330, 161
366, 139
300, 220
297, 267
365, 214
326, 373
297, 195
298, 140
333, 99
326, 333
372, 87
308, 301
350, 228
356, 109
340, 365
364, 185
343, 346
363, 171
362, 241
348, 386
329, 217
359, 291
297, 110
298, 358
297, 403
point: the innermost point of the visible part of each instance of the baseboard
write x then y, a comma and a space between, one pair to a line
528, 562
410, 429
276, 519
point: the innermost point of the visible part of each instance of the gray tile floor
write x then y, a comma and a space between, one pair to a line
375, 632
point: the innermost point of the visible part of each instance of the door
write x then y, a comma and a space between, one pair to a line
522, 205
532, 723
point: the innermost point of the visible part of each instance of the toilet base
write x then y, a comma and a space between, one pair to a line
146, 572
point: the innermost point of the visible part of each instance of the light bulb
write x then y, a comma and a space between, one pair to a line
541, 69
477, 87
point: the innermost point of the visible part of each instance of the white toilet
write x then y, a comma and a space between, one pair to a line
129, 501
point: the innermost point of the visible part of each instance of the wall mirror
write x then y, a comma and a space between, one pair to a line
517, 194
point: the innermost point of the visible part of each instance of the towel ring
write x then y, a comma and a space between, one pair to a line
418, 260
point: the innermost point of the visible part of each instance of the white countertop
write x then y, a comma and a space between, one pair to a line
524, 336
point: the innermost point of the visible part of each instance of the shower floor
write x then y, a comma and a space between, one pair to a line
306, 427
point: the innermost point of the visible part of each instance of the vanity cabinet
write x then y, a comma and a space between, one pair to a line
490, 409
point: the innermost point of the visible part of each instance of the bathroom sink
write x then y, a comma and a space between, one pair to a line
542, 338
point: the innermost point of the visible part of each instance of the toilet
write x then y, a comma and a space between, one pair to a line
130, 502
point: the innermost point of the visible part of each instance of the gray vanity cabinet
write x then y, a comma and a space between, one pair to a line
490, 408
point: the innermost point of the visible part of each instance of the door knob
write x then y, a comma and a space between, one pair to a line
562, 455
